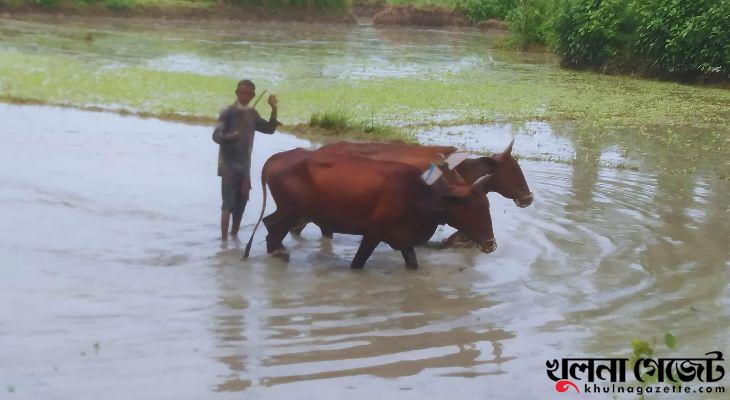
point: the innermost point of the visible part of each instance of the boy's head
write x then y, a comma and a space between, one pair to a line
245, 91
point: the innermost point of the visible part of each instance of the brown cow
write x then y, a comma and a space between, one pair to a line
413, 154
508, 179
419, 156
383, 201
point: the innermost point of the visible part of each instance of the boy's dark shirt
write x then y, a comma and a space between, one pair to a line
234, 157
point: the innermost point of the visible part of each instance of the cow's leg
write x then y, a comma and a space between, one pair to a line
409, 255
367, 245
278, 224
297, 230
326, 233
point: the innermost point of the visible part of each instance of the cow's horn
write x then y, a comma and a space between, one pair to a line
508, 150
482, 184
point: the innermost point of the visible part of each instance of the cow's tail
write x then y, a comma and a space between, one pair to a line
264, 180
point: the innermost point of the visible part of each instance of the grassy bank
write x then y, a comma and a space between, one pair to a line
601, 102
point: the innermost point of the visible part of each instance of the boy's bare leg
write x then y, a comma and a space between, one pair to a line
238, 214
225, 217
237, 217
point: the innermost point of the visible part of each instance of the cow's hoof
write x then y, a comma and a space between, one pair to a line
488, 246
281, 254
463, 244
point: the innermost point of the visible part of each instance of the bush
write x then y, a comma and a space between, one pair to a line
685, 36
677, 37
531, 21
479, 10
589, 33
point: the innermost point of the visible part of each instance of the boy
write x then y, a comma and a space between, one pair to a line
235, 133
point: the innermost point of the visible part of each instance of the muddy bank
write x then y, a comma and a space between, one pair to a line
367, 8
493, 24
432, 16
382, 14
186, 12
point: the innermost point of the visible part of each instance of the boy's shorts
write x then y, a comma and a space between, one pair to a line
234, 191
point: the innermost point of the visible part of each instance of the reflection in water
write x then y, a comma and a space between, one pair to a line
128, 257
309, 322
584, 177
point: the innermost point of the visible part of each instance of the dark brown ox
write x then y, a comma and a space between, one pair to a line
380, 200
508, 180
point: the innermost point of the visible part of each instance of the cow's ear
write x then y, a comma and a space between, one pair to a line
508, 150
452, 197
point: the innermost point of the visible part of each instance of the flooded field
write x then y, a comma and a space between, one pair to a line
403, 77
114, 284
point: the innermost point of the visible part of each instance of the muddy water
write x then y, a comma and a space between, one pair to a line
114, 285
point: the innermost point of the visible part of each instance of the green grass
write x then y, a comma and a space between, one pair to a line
599, 102
640, 116
337, 123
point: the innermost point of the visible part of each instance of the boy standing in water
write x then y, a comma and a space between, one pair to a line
234, 133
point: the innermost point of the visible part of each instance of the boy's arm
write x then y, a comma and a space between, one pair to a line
219, 133
269, 126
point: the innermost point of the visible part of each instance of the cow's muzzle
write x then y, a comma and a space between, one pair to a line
488, 246
523, 202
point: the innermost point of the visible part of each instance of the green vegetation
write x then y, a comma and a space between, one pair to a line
675, 38
678, 38
643, 349
683, 38
336, 121
479, 10
602, 103
466, 97
340, 123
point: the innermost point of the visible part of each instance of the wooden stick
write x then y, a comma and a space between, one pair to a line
260, 96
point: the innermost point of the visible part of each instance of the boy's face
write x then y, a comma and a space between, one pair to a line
245, 94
